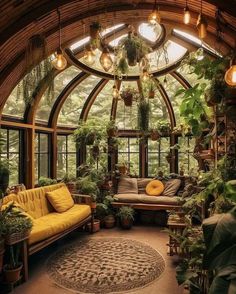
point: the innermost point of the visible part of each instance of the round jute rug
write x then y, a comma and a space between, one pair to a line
105, 265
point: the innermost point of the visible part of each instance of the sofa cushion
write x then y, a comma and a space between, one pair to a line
60, 199
127, 185
171, 187
55, 223
127, 197
154, 188
35, 202
142, 183
159, 200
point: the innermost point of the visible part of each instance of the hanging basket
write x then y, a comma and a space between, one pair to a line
154, 135
16, 237
128, 98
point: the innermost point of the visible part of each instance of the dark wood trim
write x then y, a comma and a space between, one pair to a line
147, 206
48, 7
181, 79
73, 60
91, 98
52, 122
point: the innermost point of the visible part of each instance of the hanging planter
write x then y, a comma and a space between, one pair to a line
154, 135
95, 151
143, 115
128, 95
94, 32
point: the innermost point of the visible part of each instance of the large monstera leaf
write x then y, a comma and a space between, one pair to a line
220, 240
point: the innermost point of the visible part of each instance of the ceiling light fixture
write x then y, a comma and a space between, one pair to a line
105, 59
154, 17
59, 62
187, 15
202, 25
89, 55
230, 75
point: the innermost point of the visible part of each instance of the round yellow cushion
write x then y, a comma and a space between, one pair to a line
154, 188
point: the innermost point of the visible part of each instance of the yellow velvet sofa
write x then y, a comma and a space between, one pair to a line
48, 224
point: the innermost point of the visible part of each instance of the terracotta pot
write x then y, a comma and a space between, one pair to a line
128, 99
126, 223
109, 221
112, 132
12, 275
154, 135
96, 226
151, 94
93, 205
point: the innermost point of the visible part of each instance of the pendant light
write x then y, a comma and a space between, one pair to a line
115, 92
105, 59
202, 25
89, 55
187, 15
230, 75
60, 61
154, 17
145, 75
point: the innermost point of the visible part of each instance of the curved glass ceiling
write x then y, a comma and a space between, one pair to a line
71, 110
60, 81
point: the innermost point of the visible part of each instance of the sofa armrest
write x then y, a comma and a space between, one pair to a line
81, 198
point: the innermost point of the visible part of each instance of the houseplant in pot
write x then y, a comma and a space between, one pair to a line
46, 182
126, 217
85, 185
111, 129
16, 227
69, 180
109, 219
129, 94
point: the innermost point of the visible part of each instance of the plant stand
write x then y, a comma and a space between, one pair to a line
175, 225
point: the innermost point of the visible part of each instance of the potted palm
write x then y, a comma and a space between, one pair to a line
126, 217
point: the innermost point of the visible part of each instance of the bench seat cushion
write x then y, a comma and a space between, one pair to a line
144, 198
55, 223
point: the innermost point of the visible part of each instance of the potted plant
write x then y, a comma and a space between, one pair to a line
128, 95
109, 218
143, 115
94, 32
164, 128
4, 176
16, 227
154, 134
43, 181
151, 92
86, 185
69, 180
126, 217
122, 66
134, 48
111, 129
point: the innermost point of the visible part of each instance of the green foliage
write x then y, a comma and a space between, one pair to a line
87, 186
43, 181
16, 224
4, 175
122, 66
143, 115
105, 208
220, 256
126, 212
134, 48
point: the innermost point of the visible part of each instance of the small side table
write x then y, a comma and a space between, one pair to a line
176, 226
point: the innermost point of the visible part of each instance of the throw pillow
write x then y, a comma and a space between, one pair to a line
127, 186
155, 188
60, 199
171, 187
142, 183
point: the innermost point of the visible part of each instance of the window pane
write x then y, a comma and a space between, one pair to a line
13, 141
43, 143
61, 165
43, 165
72, 164
71, 144
14, 169
134, 164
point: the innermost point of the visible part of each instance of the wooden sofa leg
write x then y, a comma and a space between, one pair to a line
25, 260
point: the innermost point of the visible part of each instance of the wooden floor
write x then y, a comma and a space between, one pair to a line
154, 236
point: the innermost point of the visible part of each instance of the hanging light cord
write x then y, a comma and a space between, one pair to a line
186, 3
201, 6
59, 26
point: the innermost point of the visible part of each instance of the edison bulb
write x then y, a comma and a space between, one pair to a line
154, 17
115, 92
202, 27
230, 76
187, 15
145, 76
105, 59
60, 61
89, 56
